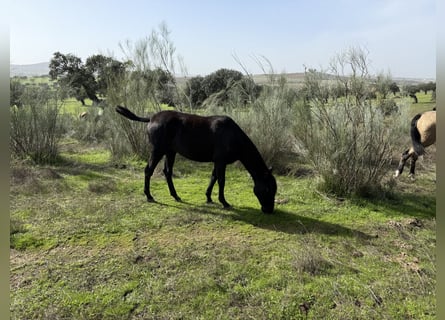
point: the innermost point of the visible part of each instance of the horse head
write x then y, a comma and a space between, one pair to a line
265, 189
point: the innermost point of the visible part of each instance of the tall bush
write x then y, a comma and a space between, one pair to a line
267, 120
150, 71
347, 138
36, 125
125, 137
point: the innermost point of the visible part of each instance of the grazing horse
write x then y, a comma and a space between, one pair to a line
423, 134
216, 139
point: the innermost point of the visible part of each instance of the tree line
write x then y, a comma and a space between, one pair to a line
91, 80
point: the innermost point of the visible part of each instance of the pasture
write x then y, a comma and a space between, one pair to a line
85, 244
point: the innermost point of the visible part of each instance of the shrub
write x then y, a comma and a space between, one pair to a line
146, 84
348, 140
36, 126
267, 121
91, 128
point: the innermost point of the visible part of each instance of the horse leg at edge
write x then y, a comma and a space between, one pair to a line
210, 187
149, 169
405, 156
412, 168
221, 176
168, 172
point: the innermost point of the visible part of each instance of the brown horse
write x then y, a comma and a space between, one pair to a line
216, 139
423, 134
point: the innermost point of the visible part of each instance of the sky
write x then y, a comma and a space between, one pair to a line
399, 35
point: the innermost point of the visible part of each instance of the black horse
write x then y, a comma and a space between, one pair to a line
423, 134
216, 139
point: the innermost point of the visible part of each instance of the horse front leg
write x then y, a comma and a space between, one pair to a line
405, 156
210, 187
221, 176
149, 169
168, 172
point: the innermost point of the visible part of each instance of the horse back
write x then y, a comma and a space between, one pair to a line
204, 139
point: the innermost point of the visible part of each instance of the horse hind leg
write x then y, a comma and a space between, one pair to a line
168, 172
149, 169
412, 168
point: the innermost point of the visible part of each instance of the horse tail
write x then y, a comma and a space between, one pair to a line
130, 115
415, 136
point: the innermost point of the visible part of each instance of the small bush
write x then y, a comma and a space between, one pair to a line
91, 128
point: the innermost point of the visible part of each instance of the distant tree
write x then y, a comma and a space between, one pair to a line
84, 80
394, 88
70, 72
220, 80
164, 84
103, 68
222, 85
157, 83
194, 91
411, 90
432, 86
429, 86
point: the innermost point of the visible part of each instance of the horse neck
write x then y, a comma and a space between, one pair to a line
252, 160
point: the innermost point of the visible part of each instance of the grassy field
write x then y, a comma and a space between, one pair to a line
86, 245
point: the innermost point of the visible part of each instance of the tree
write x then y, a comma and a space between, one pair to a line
163, 83
394, 88
194, 91
429, 86
84, 80
103, 68
220, 80
411, 90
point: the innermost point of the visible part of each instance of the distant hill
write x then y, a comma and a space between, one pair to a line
42, 69
29, 70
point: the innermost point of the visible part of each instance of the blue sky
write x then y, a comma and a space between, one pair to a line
400, 35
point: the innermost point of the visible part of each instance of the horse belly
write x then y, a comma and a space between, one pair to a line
196, 151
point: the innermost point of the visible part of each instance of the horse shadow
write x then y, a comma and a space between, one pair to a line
280, 221
293, 223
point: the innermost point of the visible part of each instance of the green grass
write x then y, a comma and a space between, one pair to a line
86, 245
424, 103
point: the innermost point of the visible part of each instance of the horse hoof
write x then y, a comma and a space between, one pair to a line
151, 200
177, 199
396, 174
